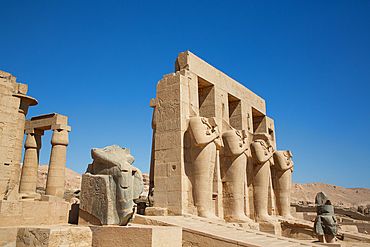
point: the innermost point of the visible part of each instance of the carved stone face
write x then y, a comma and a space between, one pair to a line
283, 159
263, 139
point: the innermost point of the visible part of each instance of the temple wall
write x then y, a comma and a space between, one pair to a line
198, 89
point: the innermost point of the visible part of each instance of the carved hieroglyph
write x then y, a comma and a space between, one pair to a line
283, 168
109, 187
190, 158
14, 104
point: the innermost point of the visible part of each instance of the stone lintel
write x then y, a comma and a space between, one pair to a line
61, 127
34, 131
188, 61
50, 121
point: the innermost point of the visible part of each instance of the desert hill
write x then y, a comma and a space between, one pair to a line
72, 179
300, 193
339, 196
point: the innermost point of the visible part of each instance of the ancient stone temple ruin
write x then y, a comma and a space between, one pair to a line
214, 148
34, 128
14, 103
20, 203
216, 176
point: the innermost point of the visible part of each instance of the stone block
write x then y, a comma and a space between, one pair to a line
140, 236
174, 198
299, 215
271, 227
95, 195
156, 211
334, 244
346, 220
48, 198
31, 209
8, 236
161, 198
54, 236
10, 208
352, 228
32, 213
309, 216
47, 121
22, 88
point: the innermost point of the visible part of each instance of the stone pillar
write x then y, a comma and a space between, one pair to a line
56, 174
25, 102
28, 182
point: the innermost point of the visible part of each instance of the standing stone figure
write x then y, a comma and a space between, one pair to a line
326, 226
233, 172
110, 185
206, 138
283, 173
262, 151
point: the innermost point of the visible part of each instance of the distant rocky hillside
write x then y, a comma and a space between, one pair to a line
339, 196
72, 179
301, 193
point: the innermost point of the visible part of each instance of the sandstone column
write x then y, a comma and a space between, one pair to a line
28, 182
25, 102
56, 174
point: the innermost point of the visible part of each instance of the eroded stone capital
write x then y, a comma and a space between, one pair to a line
60, 137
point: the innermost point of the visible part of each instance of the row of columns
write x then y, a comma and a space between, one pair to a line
56, 173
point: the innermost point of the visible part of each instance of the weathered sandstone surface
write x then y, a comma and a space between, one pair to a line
346, 197
72, 179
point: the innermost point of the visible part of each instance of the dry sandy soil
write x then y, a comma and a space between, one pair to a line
299, 193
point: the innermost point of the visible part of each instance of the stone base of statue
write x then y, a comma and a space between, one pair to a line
98, 201
272, 227
252, 226
156, 211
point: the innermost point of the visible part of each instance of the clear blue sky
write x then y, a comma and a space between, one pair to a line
98, 62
